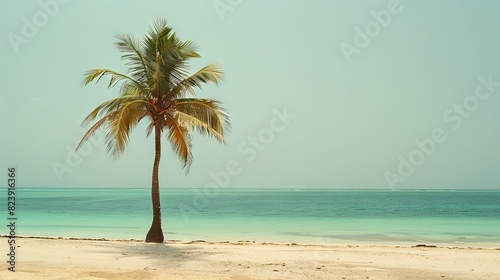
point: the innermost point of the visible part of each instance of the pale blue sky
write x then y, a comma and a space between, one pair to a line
355, 115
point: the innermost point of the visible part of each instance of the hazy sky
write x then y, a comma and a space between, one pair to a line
322, 94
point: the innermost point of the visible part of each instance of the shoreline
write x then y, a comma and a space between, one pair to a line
406, 244
72, 258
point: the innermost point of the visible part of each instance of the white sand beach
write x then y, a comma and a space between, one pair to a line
41, 258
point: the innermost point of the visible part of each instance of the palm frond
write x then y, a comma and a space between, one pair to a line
159, 29
131, 47
116, 77
179, 138
93, 130
211, 73
205, 115
150, 128
189, 49
112, 105
121, 124
104, 108
121, 115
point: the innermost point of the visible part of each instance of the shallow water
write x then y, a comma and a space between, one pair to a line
306, 216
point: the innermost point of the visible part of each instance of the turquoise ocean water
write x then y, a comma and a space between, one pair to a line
460, 217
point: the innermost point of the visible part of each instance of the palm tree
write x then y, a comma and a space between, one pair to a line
158, 88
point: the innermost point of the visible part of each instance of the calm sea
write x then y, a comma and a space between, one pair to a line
460, 217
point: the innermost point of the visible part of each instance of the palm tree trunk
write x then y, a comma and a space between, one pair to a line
155, 233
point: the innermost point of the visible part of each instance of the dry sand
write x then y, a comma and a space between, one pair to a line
39, 258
